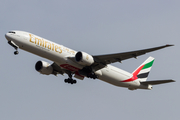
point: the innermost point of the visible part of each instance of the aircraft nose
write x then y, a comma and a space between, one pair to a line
7, 36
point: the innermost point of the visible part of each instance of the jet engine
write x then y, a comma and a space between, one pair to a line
84, 58
150, 87
44, 68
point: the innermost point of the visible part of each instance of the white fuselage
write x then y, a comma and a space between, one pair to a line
59, 54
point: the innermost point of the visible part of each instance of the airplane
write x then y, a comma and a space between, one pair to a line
81, 64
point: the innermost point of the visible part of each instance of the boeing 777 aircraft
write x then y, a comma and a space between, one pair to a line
81, 64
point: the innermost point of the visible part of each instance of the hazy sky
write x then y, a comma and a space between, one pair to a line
95, 27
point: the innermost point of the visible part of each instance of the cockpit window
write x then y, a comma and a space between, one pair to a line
11, 32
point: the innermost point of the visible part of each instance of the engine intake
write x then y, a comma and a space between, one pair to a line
84, 58
44, 68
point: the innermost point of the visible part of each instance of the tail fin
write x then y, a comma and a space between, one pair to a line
143, 70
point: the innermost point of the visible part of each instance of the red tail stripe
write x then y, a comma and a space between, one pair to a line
134, 77
138, 70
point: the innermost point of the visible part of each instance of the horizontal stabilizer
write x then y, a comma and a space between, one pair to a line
156, 82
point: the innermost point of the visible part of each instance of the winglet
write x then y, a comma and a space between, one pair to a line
169, 45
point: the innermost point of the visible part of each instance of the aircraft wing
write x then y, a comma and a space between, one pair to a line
57, 69
156, 82
103, 60
118, 57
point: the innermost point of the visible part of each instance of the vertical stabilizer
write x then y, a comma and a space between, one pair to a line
143, 70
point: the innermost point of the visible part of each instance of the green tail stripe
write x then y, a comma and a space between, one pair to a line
148, 65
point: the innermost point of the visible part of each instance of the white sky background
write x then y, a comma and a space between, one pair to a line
96, 27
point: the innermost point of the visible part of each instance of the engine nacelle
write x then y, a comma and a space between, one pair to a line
150, 87
84, 58
44, 68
